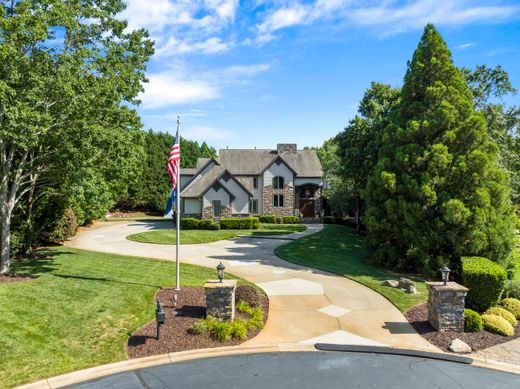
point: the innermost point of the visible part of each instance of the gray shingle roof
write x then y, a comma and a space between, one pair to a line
201, 183
188, 171
253, 162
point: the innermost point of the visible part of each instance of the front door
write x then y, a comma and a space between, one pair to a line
216, 208
307, 208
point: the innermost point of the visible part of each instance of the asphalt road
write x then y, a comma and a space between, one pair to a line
310, 370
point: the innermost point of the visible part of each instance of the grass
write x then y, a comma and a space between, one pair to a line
79, 311
338, 250
207, 236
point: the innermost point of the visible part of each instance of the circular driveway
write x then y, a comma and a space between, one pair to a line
310, 370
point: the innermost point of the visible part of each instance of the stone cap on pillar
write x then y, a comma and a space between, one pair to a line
451, 286
216, 284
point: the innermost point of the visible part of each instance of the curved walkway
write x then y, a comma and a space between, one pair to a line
307, 306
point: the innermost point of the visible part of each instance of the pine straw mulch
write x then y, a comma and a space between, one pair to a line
418, 318
191, 307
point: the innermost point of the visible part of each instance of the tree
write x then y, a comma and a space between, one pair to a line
437, 192
58, 96
359, 143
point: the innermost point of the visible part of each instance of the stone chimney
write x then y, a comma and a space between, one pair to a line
286, 148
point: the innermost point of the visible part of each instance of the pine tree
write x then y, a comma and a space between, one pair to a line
437, 192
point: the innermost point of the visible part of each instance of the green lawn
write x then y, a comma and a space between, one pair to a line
206, 236
338, 250
79, 311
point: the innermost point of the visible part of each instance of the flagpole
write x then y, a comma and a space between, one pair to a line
178, 217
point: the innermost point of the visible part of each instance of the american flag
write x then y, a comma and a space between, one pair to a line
173, 161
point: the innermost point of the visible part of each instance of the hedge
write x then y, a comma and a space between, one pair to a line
291, 220
329, 220
472, 321
208, 224
189, 223
503, 313
485, 280
240, 223
267, 219
497, 325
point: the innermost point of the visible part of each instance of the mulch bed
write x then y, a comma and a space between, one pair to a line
418, 318
15, 278
191, 307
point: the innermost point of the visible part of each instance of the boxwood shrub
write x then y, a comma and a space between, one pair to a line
291, 220
240, 223
497, 325
485, 280
503, 314
207, 224
512, 289
512, 305
267, 219
472, 321
189, 223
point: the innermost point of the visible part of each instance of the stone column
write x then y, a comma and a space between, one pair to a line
220, 299
446, 306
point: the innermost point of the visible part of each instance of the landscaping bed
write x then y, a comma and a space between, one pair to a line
175, 333
418, 318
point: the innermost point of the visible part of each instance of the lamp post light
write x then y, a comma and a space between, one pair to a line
220, 271
160, 318
445, 271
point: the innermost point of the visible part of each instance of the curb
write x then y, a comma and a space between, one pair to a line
393, 351
156, 360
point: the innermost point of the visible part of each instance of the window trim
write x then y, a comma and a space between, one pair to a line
219, 208
276, 182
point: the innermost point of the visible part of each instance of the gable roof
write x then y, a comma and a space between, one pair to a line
305, 163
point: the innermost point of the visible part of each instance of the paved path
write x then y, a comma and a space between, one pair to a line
309, 370
306, 306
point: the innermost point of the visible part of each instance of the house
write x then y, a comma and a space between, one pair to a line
244, 182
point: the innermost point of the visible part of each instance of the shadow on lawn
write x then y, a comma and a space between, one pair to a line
39, 263
103, 279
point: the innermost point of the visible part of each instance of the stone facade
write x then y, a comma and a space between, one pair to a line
446, 306
287, 148
207, 212
288, 201
220, 299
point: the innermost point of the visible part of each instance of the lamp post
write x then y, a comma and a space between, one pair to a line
160, 317
220, 271
445, 271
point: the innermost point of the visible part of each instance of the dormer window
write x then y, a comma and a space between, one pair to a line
278, 182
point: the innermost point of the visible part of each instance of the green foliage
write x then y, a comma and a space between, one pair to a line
63, 229
472, 321
279, 220
497, 325
290, 219
197, 328
239, 223
485, 280
437, 192
512, 264
267, 219
239, 329
503, 313
329, 220
512, 289
511, 305
189, 223
256, 319
208, 224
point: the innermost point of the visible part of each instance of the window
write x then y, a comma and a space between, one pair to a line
216, 208
255, 182
277, 200
278, 182
253, 206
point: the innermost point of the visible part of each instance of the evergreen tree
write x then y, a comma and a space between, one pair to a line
437, 192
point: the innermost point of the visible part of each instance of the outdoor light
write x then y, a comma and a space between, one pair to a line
445, 271
160, 317
220, 270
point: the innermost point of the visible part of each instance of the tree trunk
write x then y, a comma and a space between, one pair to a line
5, 242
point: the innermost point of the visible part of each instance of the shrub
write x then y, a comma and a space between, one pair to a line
64, 228
197, 328
291, 220
215, 226
328, 220
239, 329
267, 219
512, 265
485, 280
503, 314
512, 289
472, 321
239, 223
497, 325
511, 305
256, 223
279, 220
189, 223
206, 224
220, 330
247, 294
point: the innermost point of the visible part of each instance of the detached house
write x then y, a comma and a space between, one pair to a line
243, 182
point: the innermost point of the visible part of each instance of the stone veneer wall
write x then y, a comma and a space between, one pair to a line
287, 148
220, 299
192, 215
207, 212
288, 201
446, 306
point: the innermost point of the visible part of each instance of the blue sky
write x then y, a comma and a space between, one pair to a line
250, 74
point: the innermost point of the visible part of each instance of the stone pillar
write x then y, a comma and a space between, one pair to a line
220, 299
446, 306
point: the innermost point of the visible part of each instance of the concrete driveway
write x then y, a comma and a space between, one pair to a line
307, 306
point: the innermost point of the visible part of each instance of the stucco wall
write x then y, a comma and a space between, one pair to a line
192, 206
212, 195
278, 170
240, 204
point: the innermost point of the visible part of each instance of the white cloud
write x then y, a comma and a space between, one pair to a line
206, 133
165, 89
283, 17
213, 45
240, 70
465, 46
